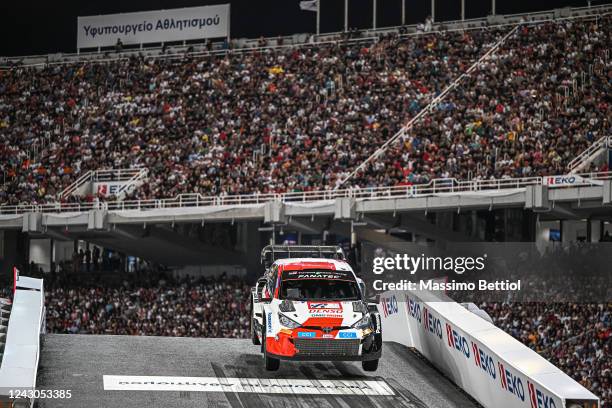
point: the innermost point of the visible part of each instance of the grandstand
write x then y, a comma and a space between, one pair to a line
303, 118
141, 183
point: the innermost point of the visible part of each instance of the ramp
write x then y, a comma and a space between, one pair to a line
80, 362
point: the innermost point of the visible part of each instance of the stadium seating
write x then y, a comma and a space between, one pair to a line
211, 308
301, 118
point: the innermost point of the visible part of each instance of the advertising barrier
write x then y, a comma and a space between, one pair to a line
154, 26
109, 188
487, 363
569, 180
26, 323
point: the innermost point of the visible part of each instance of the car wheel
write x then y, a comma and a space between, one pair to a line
272, 364
254, 337
370, 365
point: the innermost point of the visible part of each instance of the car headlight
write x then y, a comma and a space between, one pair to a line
364, 323
287, 322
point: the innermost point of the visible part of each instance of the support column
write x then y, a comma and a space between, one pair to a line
346, 15
433, 10
51, 254
318, 16
374, 14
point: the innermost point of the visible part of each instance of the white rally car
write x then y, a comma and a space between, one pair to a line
313, 308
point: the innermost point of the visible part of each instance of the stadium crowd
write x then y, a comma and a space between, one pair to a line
566, 314
301, 118
159, 307
575, 337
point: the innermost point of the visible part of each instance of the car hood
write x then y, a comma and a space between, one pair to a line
324, 313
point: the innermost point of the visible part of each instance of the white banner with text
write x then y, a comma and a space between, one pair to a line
182, 24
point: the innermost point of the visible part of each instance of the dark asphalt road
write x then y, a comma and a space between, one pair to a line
79, 362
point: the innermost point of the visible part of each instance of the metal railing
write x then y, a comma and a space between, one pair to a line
132, 182
448, 186
116, 174
583, 158
125, 175
84, 178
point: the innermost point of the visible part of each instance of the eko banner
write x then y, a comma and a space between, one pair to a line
154, 26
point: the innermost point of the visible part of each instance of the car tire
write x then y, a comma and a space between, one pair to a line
254, 337
272, 364
370, 365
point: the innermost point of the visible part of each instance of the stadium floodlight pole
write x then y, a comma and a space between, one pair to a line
318, 17
462, 10
374, 14
229, 20
493, 7
345, 16
403, 12
423, 112
433, 10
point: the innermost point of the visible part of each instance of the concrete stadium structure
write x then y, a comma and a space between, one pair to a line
159, 229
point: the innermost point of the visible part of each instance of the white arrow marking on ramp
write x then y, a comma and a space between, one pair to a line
251, 385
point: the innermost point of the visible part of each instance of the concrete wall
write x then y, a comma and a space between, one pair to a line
40, 253
63, 250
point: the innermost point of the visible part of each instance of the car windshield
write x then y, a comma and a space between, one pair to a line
318, 285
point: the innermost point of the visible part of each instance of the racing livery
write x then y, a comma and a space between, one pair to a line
314, 309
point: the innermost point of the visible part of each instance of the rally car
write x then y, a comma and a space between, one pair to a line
309, 307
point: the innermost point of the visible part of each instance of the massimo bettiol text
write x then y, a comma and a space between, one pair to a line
446, 267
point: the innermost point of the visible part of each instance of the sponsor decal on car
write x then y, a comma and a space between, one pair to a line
331, 275
347, 335
307, 334
269, 322
325, 305
325, 309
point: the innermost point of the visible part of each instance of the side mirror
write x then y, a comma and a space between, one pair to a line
261, 284
362, 287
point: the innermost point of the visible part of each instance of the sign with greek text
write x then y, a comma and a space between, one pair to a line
154, 26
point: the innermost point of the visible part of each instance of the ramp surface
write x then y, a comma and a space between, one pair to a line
80, 362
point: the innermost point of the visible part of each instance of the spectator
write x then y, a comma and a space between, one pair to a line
96, 257
88, 259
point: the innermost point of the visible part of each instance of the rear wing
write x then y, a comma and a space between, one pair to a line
271, 253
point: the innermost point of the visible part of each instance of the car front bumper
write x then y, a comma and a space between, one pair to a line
321, 349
